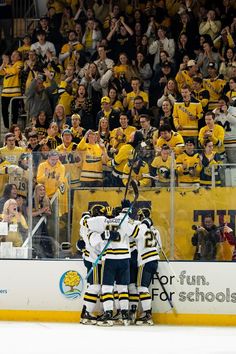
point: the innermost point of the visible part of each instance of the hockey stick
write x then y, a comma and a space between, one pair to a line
167, 260
166, 293
136, 195
136, 150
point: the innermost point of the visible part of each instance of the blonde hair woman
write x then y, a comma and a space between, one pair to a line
16, 222
104, 131
41, 202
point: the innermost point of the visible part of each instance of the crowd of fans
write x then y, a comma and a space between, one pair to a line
97, 72
113, 88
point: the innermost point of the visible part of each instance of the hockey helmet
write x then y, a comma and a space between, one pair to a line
125, 203
98, 210
143, 213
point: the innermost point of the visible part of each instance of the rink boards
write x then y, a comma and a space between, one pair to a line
202, 293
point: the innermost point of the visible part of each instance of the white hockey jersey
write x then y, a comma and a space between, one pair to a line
132, 241
92, 250
148, 242
118, 249
228, 122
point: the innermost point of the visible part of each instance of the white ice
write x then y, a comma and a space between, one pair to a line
62, 338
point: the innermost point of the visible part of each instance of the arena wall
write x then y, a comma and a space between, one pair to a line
202, 293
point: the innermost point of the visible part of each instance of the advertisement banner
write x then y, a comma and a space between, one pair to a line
195, 288
53, 290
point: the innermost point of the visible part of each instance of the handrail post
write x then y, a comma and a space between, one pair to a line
69, 209
172, 206
30, 206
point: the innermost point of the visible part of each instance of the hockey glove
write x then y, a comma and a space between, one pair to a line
125, 203
114, 236
80, 245
105, 235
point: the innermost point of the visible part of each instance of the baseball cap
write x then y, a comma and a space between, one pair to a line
105, 99
191, 62
66, 131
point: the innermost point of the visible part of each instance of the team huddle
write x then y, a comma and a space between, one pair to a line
120, 277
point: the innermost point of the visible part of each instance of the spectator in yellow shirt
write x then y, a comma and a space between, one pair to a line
10, 152
212, 132
129, 98
51, 174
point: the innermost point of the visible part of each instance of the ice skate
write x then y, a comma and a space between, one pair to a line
125, 317
133, 314
88, 319
117, 318
105, 319
145, 320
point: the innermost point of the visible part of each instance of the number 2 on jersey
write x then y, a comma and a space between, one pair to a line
150, 239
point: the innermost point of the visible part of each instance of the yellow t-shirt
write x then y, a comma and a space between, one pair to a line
118, 140
183, 115
176, 142
70, 58
131, 96
13, 155
217, 137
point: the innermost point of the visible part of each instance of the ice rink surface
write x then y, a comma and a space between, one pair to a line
62, 338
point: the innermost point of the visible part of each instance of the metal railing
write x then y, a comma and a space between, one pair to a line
25, 114
62, 223
23, 13
54, 202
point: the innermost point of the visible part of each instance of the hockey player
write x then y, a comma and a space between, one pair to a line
132, 288
90, 254
148, 242
116, 265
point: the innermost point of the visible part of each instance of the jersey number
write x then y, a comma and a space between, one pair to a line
22, 186
150, 239
113, 228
